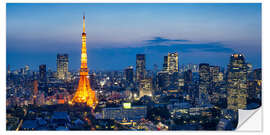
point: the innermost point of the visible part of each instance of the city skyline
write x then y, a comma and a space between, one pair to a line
171, 95
153, 31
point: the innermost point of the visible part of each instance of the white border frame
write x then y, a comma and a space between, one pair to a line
265, 64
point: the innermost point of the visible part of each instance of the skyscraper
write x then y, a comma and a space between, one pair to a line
163, 80
165, 64
214, 72
129, 74
237, 82
27, 69
188, 77
146, 87
204, 82
172, 62
42, 73
257, 78
84, 93
140, 67
62, 66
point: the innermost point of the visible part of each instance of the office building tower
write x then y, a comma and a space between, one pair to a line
214, 73
140, 67
204, 82
165, 64
42, 73
129, 74
237, 82
26, 69
188, 77
255, 84
146, 87
62, 66
220, 76
249, 68
172, 62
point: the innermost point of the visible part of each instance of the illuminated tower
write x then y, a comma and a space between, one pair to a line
62, 66
237, 82
204, 82
84, 93
172, 62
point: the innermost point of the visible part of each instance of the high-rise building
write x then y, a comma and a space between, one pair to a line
27, 69
42, 73
172, 62
140, 67
254, 85
84, 93
214, 72
257, 74
204, 82
237, 82
165, 64
129, 74
146, 87
249, 68
220, 76
188, 77
258, 79
188, 82
62, 66
163, 80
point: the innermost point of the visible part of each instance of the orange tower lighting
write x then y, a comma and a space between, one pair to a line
84, 92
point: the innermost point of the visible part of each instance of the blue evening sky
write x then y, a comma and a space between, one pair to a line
200, 33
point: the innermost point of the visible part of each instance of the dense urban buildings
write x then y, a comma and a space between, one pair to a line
176, 96
207, 98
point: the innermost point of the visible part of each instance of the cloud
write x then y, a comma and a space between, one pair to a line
162, 44
159, 40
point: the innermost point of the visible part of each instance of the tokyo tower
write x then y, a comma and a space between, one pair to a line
84, 94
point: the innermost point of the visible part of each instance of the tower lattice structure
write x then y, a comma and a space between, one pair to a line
84, 93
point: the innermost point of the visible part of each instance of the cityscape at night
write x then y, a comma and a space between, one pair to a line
132, 66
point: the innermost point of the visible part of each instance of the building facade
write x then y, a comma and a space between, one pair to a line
62, 66
237, 82
146, 87
204, 82
129, 74
172, 62
140, 67
42, 73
